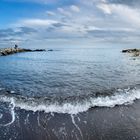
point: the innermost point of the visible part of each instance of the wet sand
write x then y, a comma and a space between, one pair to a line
118, 123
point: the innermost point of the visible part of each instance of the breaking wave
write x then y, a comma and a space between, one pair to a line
72, 105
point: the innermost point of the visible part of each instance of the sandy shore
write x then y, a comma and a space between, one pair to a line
118, 123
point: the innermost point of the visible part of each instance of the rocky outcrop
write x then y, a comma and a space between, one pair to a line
9, 51
50, 50
131, 50
39, 50
134, 52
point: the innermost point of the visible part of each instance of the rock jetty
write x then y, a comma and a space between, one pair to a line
9, 51
134, 52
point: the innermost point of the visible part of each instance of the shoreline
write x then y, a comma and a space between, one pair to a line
117, 123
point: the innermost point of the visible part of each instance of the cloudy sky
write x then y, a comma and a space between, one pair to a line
59, 21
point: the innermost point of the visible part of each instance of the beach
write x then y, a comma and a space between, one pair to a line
63, 94
118, 123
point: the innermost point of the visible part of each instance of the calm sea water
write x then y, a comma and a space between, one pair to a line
69, 74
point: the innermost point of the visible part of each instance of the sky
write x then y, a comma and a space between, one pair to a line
41, 22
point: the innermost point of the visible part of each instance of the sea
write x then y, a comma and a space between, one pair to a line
78, 93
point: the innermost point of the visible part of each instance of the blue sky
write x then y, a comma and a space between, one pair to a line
59, 21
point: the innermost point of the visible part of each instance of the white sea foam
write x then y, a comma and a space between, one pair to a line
77, 127
121, 97
12, 91
12, 112
1, 115
1, 88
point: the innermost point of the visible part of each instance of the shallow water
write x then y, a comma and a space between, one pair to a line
65, 82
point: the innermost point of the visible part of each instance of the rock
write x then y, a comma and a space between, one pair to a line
50, 50
130, 50
39, 50
134, 52
9, 51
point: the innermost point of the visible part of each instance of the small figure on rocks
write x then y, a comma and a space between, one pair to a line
16, 46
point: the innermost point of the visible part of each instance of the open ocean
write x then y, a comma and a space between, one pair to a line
70, 94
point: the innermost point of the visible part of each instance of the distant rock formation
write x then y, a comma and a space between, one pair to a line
9, 51
50, 50
134, 52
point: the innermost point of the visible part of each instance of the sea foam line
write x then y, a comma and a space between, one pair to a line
121, 97
12, 113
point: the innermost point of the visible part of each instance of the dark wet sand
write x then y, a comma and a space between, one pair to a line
118, 123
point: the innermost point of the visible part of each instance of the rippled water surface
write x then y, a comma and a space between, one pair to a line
70, 80
68, 72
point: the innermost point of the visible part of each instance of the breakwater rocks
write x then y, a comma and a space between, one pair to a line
134, 52
9, 51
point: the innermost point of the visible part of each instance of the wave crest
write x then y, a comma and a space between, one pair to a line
120, 97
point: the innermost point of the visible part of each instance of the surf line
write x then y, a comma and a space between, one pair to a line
12, 104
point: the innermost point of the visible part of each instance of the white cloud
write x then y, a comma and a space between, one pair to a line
75, 8
37, 22
122, 13
85, 20
50, 13
105, 8
103, 1
130, 15
64, 12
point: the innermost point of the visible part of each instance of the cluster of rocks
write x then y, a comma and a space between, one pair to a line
9, 51
134, 52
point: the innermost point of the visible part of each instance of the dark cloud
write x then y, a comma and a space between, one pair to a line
6, 32
11, 39
55, 26
111, 33
50, 29
114, 35
11, 32
58, 24
27, 30
9, 35
126, 2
